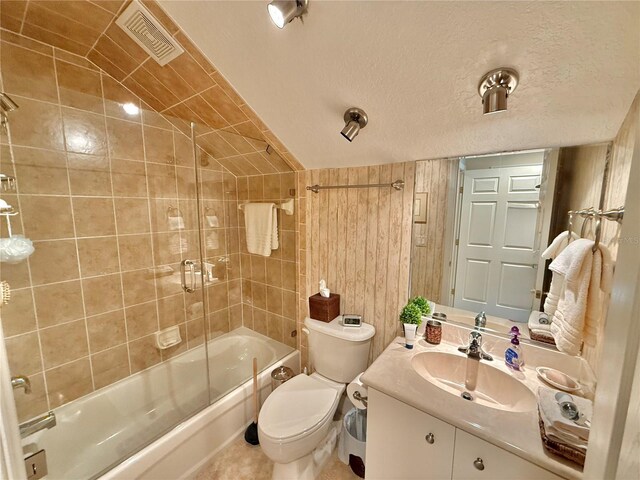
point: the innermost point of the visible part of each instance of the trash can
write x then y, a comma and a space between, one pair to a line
353, 440
280, 375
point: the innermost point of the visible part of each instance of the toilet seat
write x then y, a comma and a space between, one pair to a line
298, 408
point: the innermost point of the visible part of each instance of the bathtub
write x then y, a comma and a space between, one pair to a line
164, 413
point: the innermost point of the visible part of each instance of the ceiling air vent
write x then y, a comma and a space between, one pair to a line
147, 32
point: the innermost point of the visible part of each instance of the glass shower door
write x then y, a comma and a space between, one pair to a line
100, 329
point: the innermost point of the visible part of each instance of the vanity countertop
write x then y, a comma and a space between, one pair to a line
518, 432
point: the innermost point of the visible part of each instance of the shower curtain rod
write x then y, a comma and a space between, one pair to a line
398, 185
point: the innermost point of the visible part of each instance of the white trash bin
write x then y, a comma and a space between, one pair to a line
353, 440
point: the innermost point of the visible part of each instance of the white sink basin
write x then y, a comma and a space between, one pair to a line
462, 377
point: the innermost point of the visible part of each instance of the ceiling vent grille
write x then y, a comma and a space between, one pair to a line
146, 31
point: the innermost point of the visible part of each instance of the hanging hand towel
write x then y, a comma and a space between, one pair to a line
557, 246
601, 278
574, 265
261, 223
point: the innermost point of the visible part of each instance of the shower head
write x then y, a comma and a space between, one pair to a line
6, 104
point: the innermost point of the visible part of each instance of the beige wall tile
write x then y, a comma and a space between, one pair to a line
79, 87
46, 217
275, 326
128, 178
37, 124
258, 268
19, 315
171, 311
54, 261
110, 366
139, 287
132, 215
259, 295
98, 256
67, 299
274, 300
102, 294
135, 252
125, 139
42, 172
143, 353
158, 145
68, 382
260, 321
141, 319
89, 174
33, 404
93, 216
64, 343
106, 330
25, 72
24, 354
84, 132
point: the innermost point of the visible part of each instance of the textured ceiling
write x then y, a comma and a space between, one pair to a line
414, 67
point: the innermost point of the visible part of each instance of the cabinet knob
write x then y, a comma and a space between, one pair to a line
478, 463
430, 438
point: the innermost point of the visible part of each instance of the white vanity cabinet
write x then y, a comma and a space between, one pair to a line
404, 443
475, 459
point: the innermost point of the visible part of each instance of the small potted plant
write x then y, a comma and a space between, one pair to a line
411, 317
425, 310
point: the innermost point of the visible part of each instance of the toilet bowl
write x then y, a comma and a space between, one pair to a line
296, 427
297, 416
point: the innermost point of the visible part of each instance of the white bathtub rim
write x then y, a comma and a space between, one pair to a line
144, 459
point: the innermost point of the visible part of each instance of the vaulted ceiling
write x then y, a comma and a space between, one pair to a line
415, 67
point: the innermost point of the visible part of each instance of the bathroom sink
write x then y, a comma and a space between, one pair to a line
475, 381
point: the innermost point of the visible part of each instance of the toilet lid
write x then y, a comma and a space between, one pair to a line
296, 407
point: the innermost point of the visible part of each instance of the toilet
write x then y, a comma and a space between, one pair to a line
296, 427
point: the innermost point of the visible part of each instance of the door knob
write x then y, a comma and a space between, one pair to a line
478, 463
430, 438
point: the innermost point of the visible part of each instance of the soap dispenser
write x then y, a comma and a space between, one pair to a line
513, 354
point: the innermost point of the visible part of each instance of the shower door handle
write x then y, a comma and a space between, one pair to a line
192, 275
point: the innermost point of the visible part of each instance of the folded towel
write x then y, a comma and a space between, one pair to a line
574, 267
261, 222
539, 322
556, 425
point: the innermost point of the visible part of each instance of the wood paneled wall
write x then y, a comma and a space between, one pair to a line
615, 194
359, 241
427, 261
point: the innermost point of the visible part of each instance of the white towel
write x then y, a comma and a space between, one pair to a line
555, 425
600, 285
555, 290
261, 223
536, 327
579, 268
558, 244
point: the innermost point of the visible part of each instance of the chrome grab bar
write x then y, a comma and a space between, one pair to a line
192, 272
48, 420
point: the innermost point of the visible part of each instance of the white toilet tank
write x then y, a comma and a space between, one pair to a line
339, 353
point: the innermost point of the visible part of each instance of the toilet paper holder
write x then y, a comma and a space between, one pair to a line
357, 396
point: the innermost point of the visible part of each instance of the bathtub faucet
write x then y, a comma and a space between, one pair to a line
48, 420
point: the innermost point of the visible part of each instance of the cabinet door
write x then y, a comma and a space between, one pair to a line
404, 443
476, 459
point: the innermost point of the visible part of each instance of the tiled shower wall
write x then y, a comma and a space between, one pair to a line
95, 186
269, 297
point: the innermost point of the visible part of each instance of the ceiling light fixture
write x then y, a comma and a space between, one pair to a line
495, 87
283, 11
355, 119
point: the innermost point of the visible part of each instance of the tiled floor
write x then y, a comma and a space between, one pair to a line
241, 461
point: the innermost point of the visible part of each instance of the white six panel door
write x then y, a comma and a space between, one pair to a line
497, 252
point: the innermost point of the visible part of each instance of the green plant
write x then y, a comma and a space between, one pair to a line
423, 304
411, 314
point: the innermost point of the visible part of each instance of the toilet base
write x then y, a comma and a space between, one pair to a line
309, 466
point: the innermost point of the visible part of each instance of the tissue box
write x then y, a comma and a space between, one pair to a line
324, 309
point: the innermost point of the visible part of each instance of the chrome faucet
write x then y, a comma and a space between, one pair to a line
20, 381
474, 349
48, 420
481, 320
